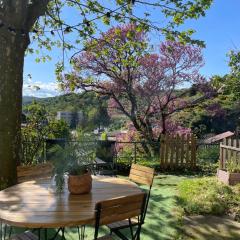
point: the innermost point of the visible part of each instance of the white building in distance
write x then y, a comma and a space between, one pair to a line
71, 118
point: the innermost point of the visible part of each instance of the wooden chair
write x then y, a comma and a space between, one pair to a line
140, 175
34, 172
25, 236
119, 209
30, 173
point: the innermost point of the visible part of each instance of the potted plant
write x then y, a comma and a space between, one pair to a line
230, 175
74, 161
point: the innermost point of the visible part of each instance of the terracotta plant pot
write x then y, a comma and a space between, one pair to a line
80, 184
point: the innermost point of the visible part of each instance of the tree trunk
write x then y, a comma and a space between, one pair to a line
163, 124
12, 48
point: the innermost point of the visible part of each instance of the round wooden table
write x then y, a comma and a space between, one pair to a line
33, 204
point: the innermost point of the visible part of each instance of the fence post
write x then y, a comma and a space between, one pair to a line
172, 150
162, 151
177, 150
193, 151
221, 157
135, 152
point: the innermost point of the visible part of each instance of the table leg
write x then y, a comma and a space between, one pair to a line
1, 230
63, 234
83, 231
4, 231
39, 233
45, 234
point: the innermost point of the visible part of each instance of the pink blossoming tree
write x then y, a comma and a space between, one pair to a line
146, 87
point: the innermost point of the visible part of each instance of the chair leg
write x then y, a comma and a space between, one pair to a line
131, 228
39, 233
63, 233
1, 230
45, 234
82, 232
10, 232
120, 235
4, 231
138, 232
79, 236
55, 235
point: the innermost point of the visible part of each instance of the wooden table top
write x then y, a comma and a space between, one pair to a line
33, 205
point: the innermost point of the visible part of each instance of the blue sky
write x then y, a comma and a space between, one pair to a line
219, 29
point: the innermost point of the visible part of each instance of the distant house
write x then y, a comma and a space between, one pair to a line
218, 138
114, 135
71, 118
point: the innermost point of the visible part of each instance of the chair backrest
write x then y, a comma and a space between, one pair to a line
142, 175
34, 172
119, 209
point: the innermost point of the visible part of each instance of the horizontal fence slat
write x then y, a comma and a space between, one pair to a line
230, 147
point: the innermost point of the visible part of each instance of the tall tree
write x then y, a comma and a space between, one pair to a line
14, 15
233, 80
46, 20
145, 87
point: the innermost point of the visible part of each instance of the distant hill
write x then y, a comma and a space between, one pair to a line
85, 102
28, 99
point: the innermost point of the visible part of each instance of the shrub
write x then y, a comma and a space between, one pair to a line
208, 196
208, 154
207, 158
233, 165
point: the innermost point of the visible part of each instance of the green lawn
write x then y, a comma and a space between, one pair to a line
163, 212
164, 217
162, 220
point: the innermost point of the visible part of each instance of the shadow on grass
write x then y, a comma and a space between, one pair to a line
164, 217
210, 228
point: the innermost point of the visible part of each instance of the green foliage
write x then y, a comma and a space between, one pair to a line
59, 129
203, 122
227, 87
233, 82
233, 165
208, 196
38, 127
229, 84
97, 116
208, 153
34, 133
104, 136
92, 13
93, 107
207, 159
75, 158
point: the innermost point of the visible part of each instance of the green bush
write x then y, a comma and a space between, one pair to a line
208, 154
208, 196
207, 159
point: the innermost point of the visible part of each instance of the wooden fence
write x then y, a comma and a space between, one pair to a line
229, 150
178, 151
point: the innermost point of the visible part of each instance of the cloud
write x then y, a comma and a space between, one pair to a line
40, 89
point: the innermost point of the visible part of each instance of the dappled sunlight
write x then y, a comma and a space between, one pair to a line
36, 204
211, 228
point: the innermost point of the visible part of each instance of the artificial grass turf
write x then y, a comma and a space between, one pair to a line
162, 220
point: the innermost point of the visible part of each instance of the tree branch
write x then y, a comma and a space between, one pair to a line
35, 10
